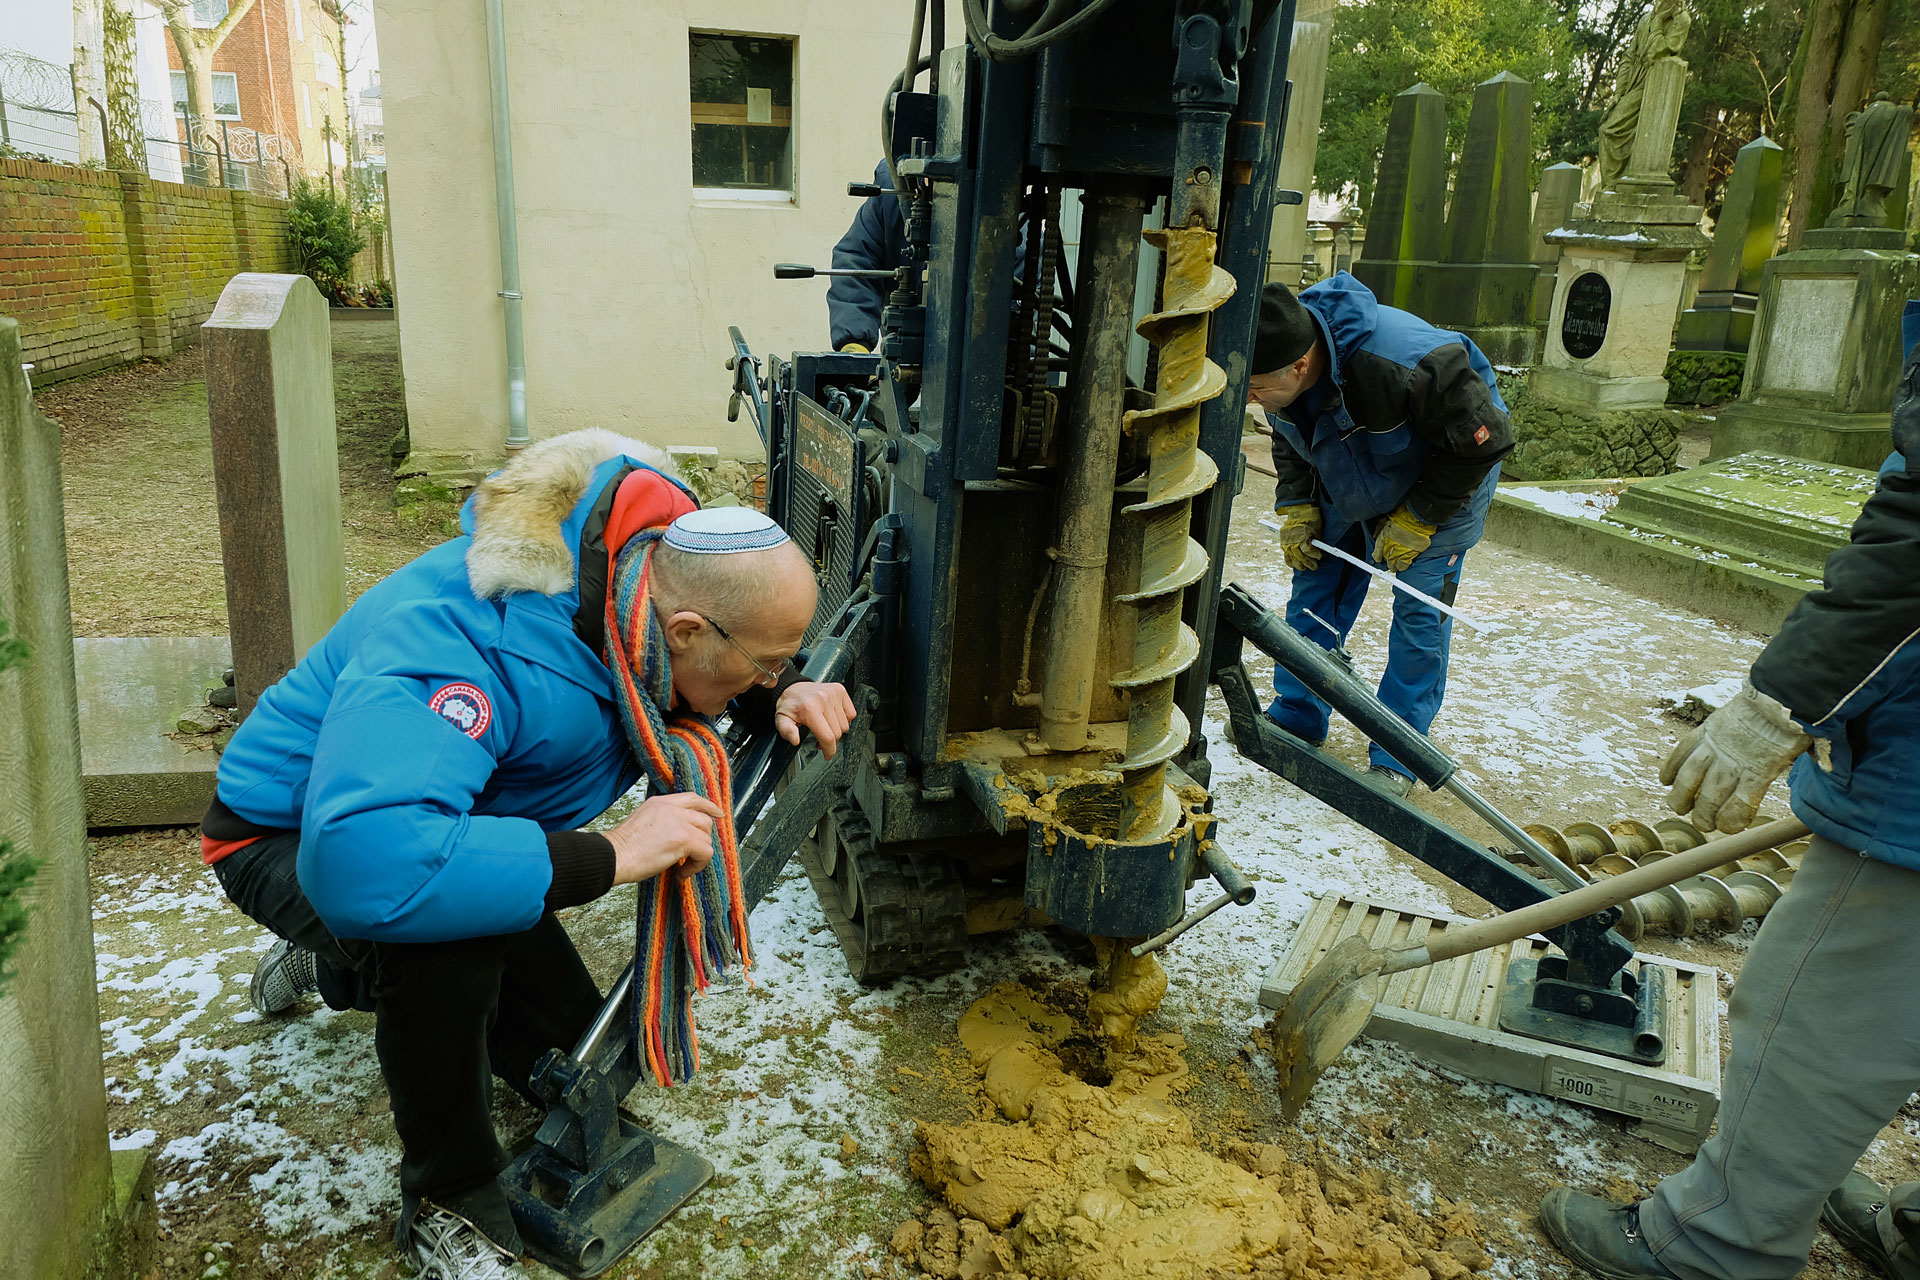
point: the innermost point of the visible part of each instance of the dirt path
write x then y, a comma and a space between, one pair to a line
143, 532
274, 1149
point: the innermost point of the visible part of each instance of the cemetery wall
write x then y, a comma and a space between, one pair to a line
101, 269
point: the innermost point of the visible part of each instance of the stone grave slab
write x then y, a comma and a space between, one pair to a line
132, 692
1783, 513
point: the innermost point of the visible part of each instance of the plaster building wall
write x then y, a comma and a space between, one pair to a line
630, 280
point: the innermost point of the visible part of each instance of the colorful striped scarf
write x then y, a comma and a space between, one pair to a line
688, 932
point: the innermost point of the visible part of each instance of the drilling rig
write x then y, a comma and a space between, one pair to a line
1034, 472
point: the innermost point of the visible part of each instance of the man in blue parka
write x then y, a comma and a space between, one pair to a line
1387, 439
404, 807
1825, 1018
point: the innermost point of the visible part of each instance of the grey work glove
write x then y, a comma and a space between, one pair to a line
1720, 772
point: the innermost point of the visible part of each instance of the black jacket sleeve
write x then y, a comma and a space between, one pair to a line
1450, 408
875, 242
1297, 481
1837, 638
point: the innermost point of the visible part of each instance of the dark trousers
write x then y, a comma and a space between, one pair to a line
447, 1017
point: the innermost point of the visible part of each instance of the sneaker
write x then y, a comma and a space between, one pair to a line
283, 975
1391, 781
1850, 1213
445, 1246
1601, 1236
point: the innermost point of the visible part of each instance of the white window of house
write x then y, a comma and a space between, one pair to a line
226, 94
208, 13
295, 7
742, 99
306, 105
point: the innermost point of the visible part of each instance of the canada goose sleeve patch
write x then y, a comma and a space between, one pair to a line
464, 707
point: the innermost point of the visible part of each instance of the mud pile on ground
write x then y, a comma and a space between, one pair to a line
1086, 1169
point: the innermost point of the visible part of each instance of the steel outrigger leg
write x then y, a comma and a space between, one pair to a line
595, 1182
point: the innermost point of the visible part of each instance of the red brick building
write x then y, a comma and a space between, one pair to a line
278, 72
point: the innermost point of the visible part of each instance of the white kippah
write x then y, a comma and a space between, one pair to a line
723, 531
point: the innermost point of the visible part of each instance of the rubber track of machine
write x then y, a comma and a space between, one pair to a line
909, 918
1192, 289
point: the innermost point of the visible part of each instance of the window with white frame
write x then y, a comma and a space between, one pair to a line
742, 103
296, 8
208, 13
306, 105
226, 94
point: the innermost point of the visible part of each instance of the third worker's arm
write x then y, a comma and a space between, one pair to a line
875, 242
1809, 680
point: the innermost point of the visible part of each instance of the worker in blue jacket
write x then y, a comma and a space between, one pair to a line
1825, 1017
1387, 440
404, 807
876, 241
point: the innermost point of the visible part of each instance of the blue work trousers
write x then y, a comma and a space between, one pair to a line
1415, 680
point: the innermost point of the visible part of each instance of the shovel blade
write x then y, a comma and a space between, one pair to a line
1326, 1011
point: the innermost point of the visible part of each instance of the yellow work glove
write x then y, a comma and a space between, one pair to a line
857, 348
1402, 537
1299, 526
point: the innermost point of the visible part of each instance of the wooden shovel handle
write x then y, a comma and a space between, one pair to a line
1567, 907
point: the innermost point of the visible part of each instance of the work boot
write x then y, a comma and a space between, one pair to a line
445, 1246
283, 975
1391, 781
1601, 1236
1852, 1214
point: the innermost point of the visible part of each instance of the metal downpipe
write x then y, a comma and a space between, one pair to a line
507, 220
1111, 240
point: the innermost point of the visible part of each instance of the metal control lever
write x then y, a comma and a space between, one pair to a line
801, 271
869, 190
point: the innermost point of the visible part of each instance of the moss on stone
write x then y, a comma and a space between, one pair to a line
1704, 377
1556, 443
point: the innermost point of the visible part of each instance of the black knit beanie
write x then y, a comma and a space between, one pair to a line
1286, 331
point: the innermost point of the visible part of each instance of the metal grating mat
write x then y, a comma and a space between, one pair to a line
1449, 1014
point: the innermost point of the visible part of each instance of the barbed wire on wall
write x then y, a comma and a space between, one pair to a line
38, 119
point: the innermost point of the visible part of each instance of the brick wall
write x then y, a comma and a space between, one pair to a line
101, 269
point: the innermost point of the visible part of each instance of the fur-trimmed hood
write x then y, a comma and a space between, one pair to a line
519, 512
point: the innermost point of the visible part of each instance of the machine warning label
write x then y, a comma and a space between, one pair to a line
1578, 1082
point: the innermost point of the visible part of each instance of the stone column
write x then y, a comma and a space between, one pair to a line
1406, 222
1485, 287
1721, 317
1559, 192
276, 472
1307, 68
59, 1185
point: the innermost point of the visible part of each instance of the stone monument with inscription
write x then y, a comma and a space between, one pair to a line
1621, 270
276, 472
1721, 317
1826, 351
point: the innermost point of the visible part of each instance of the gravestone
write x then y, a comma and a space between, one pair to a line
1483, 287
1406, 225
1601, 388
1552, 206
1826, 352
1307, 69
276, 472
1721, 317
68, 1206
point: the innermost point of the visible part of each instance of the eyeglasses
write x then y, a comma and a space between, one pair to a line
769, 676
